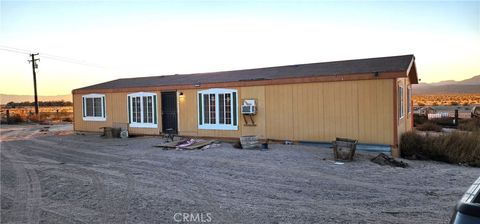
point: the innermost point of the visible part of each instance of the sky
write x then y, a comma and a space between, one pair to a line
87, 42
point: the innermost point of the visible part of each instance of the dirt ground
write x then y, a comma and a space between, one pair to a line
56, 176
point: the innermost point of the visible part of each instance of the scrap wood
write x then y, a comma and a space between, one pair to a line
211, 146
197, 145
189, 144
172, 144
186, 143
383, 159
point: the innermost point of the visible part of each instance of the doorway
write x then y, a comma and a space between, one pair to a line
169, 113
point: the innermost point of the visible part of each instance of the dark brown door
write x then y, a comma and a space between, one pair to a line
169, 112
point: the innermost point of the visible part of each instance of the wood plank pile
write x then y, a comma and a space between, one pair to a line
383, 160
188, 144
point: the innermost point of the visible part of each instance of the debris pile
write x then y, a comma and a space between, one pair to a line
249, 142
188, 144
383, 160
344, 149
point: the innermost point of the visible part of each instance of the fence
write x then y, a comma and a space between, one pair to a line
448, 114
46, 114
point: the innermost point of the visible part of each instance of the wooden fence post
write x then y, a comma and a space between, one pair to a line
8, 116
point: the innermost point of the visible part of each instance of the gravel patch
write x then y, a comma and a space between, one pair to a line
72, 178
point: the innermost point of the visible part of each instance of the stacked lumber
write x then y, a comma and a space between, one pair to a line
249, 142
189, 144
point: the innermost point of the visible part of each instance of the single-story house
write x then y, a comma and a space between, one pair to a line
364, 99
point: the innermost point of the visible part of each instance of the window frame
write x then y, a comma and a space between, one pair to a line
103, 103
409, 100
154, 108
401, 102
217, 125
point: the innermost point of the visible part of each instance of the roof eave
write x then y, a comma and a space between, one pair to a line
411, 72
329, 78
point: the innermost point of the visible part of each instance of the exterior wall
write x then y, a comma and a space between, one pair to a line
404, 124
116, 115
301, 112
322, 111
308, 112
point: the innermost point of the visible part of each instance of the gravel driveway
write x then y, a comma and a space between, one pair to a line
68, 178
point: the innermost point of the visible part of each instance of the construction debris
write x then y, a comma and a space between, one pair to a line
189, 144
344, 149
382, 159
237, 145
249, 142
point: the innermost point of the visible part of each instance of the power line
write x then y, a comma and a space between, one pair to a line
51, 56
14, 51
68, 60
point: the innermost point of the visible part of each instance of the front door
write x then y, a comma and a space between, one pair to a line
169, 112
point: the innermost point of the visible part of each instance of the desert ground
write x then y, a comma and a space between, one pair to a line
57, 176
447, 99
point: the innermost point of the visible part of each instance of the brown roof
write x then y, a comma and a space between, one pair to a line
359, 66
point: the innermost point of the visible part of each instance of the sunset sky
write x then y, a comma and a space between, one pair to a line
83, 43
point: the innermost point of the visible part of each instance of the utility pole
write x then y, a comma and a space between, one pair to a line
35, 66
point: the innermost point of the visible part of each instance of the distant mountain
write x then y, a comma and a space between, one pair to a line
474, 79
5, 98
471, 85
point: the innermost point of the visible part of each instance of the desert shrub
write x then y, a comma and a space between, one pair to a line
454, 103
469, 124
455, 147
67, 119
419, 119
41, 118
429, 126
57, 103
13, 119
444, 121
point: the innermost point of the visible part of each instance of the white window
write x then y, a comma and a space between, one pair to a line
93, 107
142, 110
409, 99
217, 109
400, 102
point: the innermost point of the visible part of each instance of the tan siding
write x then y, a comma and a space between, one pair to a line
188, 106
279, 109
409, 117
308, 111
116, 115
329, 109
385, 112
257, 93
404, 124
90, 126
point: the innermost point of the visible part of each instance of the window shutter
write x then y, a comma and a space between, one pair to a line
234, 101
155, 109
200, 112
129, 111
83, 106
103, 106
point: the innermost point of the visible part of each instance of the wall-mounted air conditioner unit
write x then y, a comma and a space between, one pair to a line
248, 107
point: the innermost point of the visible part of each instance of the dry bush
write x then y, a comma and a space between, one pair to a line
12, 119
455, 147
444, 121
429, 126
419, 119
469, 124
